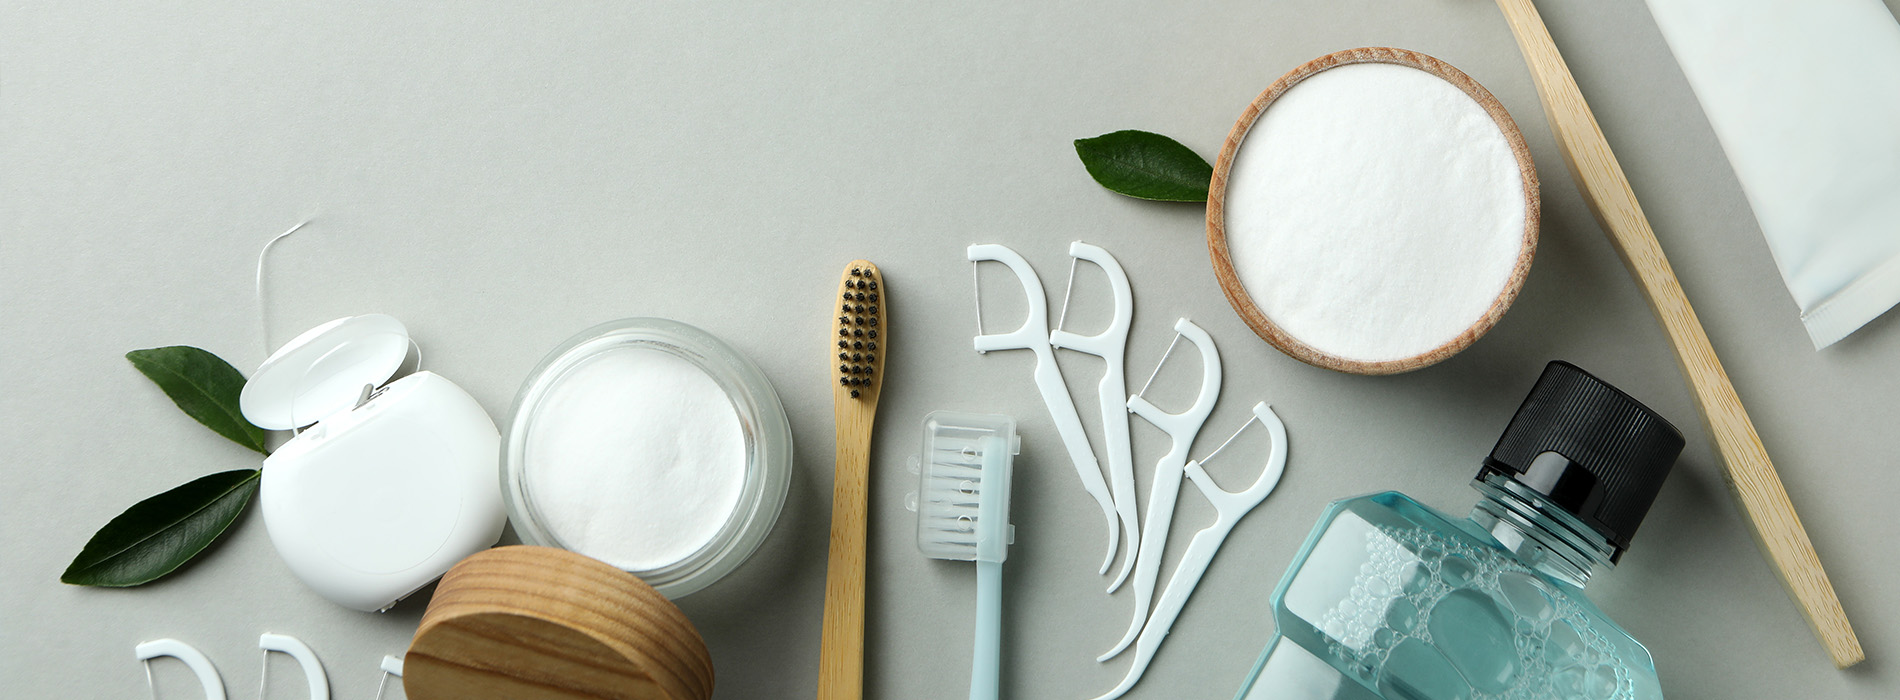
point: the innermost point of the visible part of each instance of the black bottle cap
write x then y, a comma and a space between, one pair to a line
1590, 449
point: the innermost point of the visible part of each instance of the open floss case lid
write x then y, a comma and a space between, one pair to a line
323, 371
390, 487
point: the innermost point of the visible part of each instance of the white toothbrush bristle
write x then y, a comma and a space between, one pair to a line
948, 504
963, 489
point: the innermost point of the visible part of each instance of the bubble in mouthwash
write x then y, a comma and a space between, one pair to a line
1432, 617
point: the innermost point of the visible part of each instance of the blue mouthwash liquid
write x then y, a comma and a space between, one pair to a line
1391, 599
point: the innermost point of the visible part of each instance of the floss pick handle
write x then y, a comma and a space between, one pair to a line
1034, 336
1229, 508
1112, 346
1166, 487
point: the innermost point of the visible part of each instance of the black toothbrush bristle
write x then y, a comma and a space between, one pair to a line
858, 320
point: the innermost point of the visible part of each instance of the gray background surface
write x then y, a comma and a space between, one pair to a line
501, 175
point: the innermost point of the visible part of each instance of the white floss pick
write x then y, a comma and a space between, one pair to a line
636, 458
1374, 212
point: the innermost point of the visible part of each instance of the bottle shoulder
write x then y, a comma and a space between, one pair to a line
1392, 510
1393, 591
1390, 520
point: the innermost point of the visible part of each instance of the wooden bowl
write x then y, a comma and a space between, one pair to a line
540, 622
1216, 214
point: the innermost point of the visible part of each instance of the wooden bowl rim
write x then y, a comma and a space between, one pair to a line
1216, 213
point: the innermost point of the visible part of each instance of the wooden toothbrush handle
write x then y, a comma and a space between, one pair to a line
1751, 477
841, 652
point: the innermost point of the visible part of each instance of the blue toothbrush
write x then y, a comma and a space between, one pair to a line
963, 515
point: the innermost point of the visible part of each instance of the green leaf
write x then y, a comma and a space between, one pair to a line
1146, 165
161, 533
204, 387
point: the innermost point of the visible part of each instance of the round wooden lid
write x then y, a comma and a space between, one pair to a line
1217, 214
540, 622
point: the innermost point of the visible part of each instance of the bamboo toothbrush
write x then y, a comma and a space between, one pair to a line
1751, 477
858, 341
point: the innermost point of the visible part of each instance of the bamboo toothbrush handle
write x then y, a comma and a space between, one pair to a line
1751, 477
855, 387
841, 653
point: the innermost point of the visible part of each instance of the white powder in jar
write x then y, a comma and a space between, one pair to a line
1374, 212
635, 457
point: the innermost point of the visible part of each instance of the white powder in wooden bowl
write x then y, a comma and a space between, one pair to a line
635, 457
1374, 212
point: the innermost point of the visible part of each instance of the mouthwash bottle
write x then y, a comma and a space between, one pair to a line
1391, 599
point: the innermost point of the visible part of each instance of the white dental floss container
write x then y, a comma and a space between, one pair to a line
391, 486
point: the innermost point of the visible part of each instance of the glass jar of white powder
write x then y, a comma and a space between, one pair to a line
652, 446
